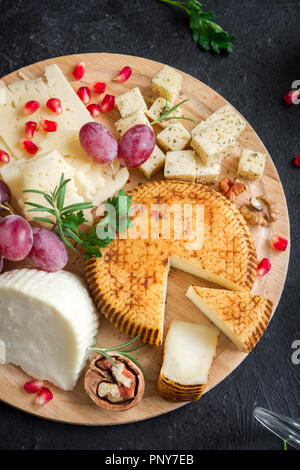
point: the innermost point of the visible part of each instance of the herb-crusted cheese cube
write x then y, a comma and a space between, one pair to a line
168, 79
181, 165
213, 144
174, 137
227, 117
154, 163
123, 124
130, 102
157, 108
207, 174
251, 164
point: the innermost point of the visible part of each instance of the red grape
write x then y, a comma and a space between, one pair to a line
48, 251
15, 238
98, 142
136, 146
4, 193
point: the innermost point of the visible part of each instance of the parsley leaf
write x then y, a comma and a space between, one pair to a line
205, 31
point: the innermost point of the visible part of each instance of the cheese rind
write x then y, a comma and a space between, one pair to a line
167, 79
189, 352
130, 102
156, 109
154, 163
47, 322
251, 164
181, 165
124, 124
174, 137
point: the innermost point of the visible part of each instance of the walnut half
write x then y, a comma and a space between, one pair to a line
114, 388
262, 215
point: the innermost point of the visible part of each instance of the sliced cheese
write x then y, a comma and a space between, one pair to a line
124, 124
241, 316
174, 137
131, 101
47, 322
214, 143
52, 85
251, 164
157, 108
207, 174
181, 165
189, 352
226, 115
167, 81
154, 163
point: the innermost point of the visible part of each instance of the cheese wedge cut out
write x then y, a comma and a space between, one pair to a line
242, 317
47, 322
52, 85
188, 355
129, 282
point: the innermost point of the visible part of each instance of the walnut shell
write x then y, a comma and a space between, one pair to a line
95, 375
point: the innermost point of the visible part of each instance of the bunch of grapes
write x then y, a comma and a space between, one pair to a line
19, 241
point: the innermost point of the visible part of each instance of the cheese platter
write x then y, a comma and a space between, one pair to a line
199, 150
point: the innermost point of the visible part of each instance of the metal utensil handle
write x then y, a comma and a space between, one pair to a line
286, 428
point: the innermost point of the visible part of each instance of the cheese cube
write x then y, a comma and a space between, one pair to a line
157, 108
123, 124
180, 165
47, 323
213, 144
188, 356
251, 164
154, 163
170, 80
227, 117
53, 84
207, 174
130, 102
174, 137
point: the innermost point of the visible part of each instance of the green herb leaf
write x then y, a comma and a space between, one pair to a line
166, 112
206, 32
67, 220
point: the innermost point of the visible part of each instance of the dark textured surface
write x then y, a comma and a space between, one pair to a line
265, 62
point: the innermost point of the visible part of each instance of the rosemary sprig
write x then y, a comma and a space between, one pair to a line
121, 350
165, 115
67, 219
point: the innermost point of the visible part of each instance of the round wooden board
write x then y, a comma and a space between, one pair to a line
76, 407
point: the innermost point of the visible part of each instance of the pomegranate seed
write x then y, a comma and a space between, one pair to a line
33, 386
48, 126
291, 97
123, 75
108, 103
99, 87
43, 396
297, 160
94, 109
79, 71
278, 243
30, 107
54, 104
263, 267
30, 128
84, 94
29, 146
4, 156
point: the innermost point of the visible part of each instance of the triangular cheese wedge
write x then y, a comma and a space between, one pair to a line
242, 317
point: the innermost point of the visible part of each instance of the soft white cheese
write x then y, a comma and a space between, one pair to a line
47, 322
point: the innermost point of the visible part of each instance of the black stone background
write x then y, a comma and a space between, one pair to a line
254, 78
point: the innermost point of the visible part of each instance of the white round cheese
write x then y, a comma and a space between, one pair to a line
47, 322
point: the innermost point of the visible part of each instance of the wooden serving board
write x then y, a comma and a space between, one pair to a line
76, 407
